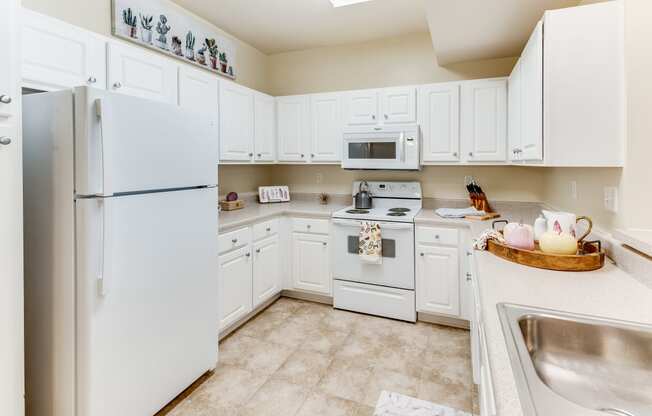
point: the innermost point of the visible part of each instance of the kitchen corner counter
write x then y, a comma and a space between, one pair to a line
255, 212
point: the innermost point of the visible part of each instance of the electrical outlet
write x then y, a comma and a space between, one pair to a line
573, 189
611, 198
320, 178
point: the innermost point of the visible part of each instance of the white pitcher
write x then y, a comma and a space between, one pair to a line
565, 223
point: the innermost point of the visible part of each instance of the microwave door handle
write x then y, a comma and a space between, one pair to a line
400, 148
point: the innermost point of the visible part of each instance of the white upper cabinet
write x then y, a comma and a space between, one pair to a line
514, 122
531, 101
361, 107
134, 71
326, 114
236, 122
484, 120
439, 118
199, 92
293, 124
56, 55
398, 105
264, 128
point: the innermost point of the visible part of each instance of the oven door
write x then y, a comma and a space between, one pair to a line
381, 150
397, 268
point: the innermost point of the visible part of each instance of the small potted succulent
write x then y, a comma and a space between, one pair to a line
190, 46
201, 54
146, 28
130, 22
212, 51
231, 70
176, 46
223, 62
162, 28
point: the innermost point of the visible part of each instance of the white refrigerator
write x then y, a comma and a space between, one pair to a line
120, 252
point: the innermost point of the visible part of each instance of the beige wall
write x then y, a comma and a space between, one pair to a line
95, 15
243, 178
387, 62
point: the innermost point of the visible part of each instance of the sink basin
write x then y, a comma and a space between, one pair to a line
569, 364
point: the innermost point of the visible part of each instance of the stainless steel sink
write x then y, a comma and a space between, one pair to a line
568, 364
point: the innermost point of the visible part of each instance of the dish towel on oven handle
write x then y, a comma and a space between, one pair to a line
370, 243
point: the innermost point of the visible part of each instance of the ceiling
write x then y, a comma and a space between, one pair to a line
461, 30
472, 30
274, 26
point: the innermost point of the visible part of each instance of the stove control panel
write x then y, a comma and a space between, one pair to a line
390, 189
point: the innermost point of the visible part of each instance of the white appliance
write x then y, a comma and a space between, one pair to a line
120, 252
385, 289
387, 147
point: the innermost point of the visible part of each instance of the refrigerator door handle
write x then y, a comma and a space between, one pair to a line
106, 253
103, 115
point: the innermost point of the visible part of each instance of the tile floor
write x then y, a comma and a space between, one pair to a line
300, 358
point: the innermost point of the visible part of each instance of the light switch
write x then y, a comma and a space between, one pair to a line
611, 198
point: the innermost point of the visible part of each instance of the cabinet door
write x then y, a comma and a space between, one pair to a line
264, 128
266, 276
293, 128
361, 107
531, 145
326, 114
235, 285
311, 263
135, 71
56, 55
438, 282
514, 122
439, 106
484, 120
236, 122
399, 105
199, 92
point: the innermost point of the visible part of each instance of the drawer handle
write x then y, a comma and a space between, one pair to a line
468, 277
248, 254
308, 226
325, 244
257, 250
5, 99
235, 240
92, 80
468, 253
436, 236
268, 229
117, 85
422, 254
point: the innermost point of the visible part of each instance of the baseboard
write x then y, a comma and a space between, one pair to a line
311, 297
237, 324
443, 320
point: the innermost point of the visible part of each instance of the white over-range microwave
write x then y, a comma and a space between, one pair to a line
390, 147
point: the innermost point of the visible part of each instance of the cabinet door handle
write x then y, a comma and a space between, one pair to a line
117, 85
325, 244
373, 117
454, 154
259, 155
248, 254
308, 226
468, 253
312, 155
386, 116
468, 277
257, 250
302, 155
422, 254
470, 154
5, 141
436, 236
268, 229
235, 240
5, 99
92, 80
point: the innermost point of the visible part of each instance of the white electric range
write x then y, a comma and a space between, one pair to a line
385, 289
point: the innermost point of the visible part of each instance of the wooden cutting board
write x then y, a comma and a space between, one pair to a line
487, 216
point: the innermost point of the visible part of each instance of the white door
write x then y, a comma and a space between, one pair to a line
399, 105
266, 275
236, 122
147, 282
293, 123
326, 114
199, 92
265, 128
439, 106
361, 107
11, 218
438, 282
135, 71
56, 55
484, 120
531, 147
311, 263
514, 120
235, 286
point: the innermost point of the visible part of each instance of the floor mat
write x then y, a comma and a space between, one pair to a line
395, 404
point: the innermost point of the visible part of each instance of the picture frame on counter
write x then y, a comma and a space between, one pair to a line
270, 194
163, 26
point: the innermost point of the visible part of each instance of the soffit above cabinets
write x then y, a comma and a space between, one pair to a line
473, 30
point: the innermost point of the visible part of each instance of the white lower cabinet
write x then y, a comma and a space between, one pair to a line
235, 286
311, 263
438, 281
266, 270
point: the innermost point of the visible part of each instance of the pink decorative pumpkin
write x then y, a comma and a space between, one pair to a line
519, 236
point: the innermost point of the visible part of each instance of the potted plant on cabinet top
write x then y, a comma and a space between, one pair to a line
201, 54
176, 46
146, 28
223, 62
212, 51
190, 46
162, 28
130, 22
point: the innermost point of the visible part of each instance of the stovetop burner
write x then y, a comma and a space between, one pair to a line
357, 211
396, 214
400, 210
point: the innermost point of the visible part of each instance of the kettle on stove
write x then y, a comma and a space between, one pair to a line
363, 198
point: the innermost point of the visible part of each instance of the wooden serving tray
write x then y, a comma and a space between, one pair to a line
591, 257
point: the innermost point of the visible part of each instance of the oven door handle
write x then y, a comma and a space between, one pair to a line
383, 225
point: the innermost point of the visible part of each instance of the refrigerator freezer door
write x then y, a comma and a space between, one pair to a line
147, 298
127, 144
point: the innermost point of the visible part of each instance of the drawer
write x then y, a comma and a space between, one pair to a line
432, 235
234, 239
265, 229
375, 300
309, 225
